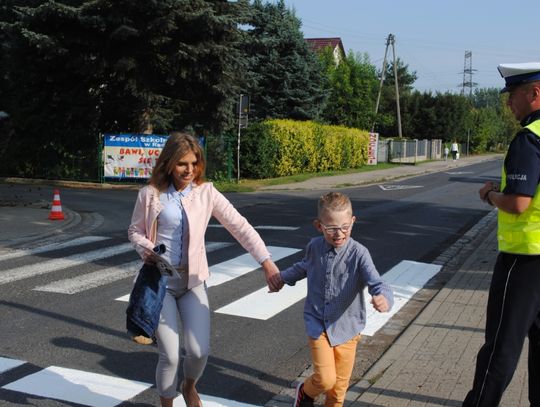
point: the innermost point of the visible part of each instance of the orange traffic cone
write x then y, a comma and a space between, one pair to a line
56, 209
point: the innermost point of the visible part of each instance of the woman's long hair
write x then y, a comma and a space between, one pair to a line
178, 145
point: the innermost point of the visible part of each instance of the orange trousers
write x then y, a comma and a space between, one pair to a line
333, 366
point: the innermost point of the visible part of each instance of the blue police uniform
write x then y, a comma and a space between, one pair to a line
513, 310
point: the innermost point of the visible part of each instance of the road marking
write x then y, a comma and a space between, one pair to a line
406, 278
91, 280
77, 386
269, 227
264, 305
211, 401
212, 246
8, 364
460, 172
228, 270
396, 187
53, 246
105, 276
260, 227
20, 273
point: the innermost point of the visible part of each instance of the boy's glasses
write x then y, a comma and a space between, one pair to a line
334, 229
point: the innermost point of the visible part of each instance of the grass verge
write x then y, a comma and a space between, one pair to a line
251, 185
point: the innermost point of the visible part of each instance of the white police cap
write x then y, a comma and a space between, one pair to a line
517, 74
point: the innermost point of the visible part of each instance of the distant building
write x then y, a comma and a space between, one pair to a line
318, 44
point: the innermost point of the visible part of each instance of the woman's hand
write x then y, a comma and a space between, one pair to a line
271, 273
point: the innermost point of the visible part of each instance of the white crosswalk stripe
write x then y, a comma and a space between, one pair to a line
92, 389
77, 386
211, 401
406, 278
229, 270
89, 389
23, 272
91, 280
263, 305
8, 364
53, 246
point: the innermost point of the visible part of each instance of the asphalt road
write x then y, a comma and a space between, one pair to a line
252, 359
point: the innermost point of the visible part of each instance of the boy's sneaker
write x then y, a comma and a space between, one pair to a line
301, 399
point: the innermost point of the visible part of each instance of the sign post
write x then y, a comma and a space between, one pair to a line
243, 110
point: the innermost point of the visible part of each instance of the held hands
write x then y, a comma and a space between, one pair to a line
380, 303
273, 278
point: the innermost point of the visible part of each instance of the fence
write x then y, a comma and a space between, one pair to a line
409, 151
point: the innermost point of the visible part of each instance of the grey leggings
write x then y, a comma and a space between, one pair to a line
192, 307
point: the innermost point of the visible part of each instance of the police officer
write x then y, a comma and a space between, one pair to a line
513, 308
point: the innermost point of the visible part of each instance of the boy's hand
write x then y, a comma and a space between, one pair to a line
271, 273
276, 283
380, 303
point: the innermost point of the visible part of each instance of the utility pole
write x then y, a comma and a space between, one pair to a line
390, 40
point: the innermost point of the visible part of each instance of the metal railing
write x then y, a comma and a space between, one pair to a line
409, 151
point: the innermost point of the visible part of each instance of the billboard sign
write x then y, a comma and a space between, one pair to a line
131, 156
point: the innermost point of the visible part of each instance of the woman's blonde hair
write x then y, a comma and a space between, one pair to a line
178, 145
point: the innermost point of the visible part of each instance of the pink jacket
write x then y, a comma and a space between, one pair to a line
200, 204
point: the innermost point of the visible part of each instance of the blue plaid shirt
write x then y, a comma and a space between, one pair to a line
336, 280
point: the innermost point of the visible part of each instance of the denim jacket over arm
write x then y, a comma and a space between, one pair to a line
145, 302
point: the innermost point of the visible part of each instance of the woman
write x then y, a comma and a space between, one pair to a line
454, 150
174, 210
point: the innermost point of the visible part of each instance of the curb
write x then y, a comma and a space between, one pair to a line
355, 179
72, 220
69, 184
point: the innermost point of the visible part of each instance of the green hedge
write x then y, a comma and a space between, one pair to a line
276, 148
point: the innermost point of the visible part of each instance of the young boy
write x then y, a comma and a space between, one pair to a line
337, 268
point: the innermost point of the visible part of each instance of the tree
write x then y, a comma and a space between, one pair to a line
287, 79
75, 69
352, 90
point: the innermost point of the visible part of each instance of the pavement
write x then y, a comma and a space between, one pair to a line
430, 358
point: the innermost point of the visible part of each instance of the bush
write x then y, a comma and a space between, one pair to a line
276, 148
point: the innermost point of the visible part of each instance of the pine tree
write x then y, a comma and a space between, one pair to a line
288, 77
75, 69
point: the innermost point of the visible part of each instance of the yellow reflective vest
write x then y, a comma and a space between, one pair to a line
520, 233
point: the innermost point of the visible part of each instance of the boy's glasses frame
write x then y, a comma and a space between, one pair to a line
334, 229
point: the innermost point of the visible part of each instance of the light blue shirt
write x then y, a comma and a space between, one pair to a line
336, 280
172, 228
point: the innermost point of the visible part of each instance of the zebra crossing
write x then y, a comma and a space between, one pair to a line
92, 389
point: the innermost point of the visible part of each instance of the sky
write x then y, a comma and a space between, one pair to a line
431, 36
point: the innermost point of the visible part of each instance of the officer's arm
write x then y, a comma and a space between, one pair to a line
511, 203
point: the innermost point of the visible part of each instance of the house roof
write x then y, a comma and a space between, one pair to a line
317, 44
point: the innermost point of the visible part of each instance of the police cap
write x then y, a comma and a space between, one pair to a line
518, 74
